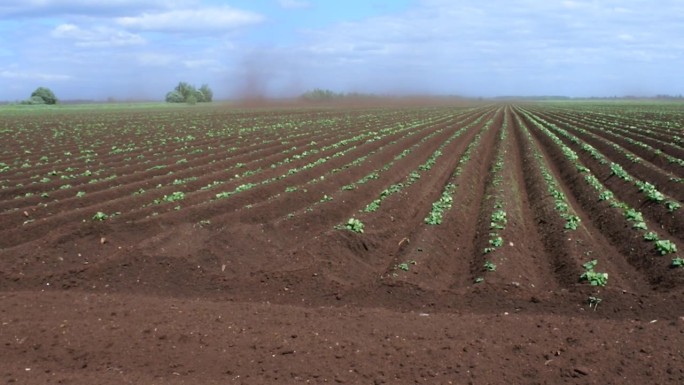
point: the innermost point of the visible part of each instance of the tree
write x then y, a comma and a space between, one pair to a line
185, 89
319, 95
45, 94
207, 93
174, 97
187, 93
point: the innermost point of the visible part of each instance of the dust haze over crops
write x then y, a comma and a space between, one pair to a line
380, 192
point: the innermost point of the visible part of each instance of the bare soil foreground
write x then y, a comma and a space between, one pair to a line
428, 244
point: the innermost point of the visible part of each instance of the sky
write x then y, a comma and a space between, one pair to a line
140, 49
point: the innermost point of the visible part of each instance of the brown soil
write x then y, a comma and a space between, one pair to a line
262, 288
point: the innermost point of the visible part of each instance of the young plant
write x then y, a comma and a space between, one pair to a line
672, 206
354, 225
176, 196
594, 301
496, 241
571, 222
405, 265
665, 246
651, 236
677, 262
100, 216
606, 195
593, 277
498, 220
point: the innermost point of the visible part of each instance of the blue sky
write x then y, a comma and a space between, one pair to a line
84, 49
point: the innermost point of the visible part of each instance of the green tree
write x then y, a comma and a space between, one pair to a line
174, 97
185, 89
319, 95
45, 94
199, 97
207, 93
187, 93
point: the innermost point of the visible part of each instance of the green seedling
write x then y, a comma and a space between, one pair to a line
594, 301
665, 247
496, 242
672, 206
593, 277
571, 222
354, 225
176, 196
651, 236
405, 266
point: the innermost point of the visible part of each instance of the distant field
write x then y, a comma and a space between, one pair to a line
561, 212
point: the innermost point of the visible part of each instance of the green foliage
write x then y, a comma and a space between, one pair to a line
593, 277
672, 206
571, 221
319, 95
373, 206
496, 242
633, 215
489, 266
651, 192
174, 97
207, 93
498, 220
677, 262
354, 225
405, 266
594, 301
651, 236
187, 93
176, 196
100, 216
665, 246
34, 100
606, 195
444, 203
618, 171
44, 94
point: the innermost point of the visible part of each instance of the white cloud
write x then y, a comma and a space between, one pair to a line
200, 63
42, 8
33, 75
517, 43
100, 36
189, 20
152, 59
294, 4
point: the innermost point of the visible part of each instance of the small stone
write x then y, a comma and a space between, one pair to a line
582, 370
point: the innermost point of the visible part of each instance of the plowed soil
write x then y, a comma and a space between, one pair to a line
252, 277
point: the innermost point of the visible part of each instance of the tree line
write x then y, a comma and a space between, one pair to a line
187, 93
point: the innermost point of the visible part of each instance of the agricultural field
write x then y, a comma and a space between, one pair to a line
468, 243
